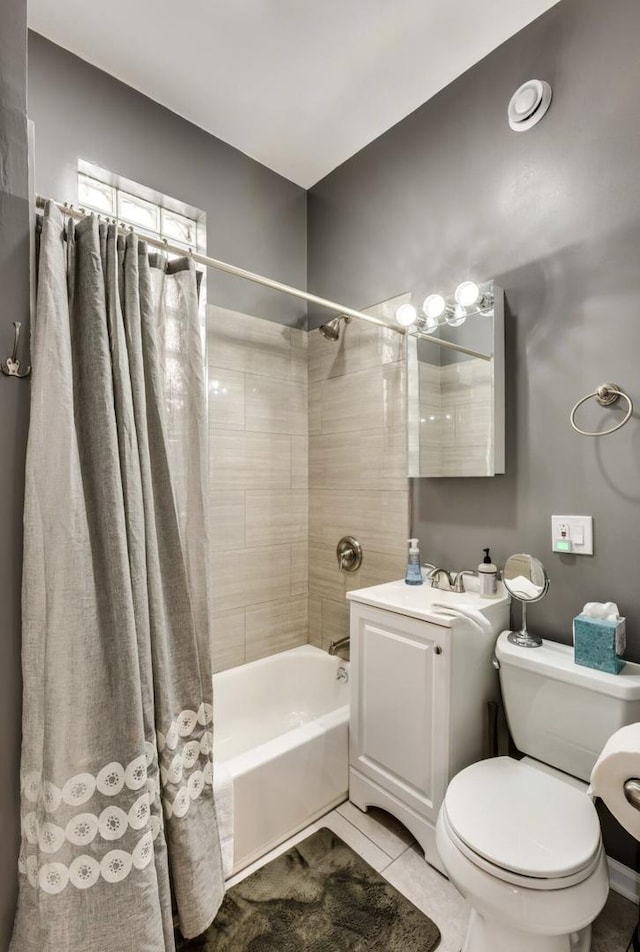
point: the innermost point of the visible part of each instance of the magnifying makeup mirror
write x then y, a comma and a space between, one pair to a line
525, 579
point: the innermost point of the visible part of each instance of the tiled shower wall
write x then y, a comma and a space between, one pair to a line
267, 511
258, 485
357, 467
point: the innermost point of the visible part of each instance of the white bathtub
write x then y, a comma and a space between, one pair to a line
281, 731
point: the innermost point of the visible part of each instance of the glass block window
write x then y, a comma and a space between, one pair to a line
97, 195
148, 218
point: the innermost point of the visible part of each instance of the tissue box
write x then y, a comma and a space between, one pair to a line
597, 643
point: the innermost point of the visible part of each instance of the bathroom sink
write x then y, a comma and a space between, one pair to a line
418, 600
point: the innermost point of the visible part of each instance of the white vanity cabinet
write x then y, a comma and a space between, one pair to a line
420, 684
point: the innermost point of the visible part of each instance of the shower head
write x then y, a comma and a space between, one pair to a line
331, 330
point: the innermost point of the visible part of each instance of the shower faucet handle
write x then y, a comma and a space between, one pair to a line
349, 554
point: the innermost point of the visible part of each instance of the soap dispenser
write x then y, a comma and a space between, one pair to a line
414, 572
488, 575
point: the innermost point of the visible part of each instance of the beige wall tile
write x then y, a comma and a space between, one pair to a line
237, 341
325, 578
276, 517
378, 567
227, 635
299, 353
227, 520
226, 399
276, 406
379, 345
334, 461
378, 520
316, 509
249, 460
299, 568
276, 627
334, 358
249, 576
365, 400
383, 459
315, 620
299, 462
335, 620
259, 470
315, 407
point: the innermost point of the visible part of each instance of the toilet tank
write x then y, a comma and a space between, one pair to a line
561, 713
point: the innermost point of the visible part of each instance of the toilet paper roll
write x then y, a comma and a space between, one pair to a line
619, 762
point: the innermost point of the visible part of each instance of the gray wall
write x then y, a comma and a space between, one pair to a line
554, 216
14, 404
255, 218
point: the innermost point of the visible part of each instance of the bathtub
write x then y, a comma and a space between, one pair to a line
281, 733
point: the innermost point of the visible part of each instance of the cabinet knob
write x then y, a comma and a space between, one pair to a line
437, 650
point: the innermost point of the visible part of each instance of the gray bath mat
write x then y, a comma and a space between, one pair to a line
319, 896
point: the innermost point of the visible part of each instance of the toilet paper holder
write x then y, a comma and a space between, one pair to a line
632, 792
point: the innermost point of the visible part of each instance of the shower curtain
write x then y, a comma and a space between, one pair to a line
118, 815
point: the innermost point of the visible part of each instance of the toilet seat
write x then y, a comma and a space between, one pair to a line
515, 879
522, 825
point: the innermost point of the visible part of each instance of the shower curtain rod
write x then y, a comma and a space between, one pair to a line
163, 245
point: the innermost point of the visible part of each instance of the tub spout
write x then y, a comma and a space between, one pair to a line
337, 646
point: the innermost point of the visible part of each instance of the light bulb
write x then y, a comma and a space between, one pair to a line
467, 293
434, 306
406, 315
458, 316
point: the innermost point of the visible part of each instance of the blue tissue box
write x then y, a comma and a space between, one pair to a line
598, 643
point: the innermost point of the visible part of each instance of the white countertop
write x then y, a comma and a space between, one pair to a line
417, 600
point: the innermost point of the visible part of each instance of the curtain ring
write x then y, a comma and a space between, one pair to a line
606, 395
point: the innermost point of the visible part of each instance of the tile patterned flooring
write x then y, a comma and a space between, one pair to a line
390, 849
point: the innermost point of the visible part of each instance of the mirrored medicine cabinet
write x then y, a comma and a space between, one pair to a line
455, 399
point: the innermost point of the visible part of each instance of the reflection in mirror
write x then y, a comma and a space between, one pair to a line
455, 400
525, 578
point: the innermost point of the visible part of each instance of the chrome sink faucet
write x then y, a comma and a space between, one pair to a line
436, 579
458, 585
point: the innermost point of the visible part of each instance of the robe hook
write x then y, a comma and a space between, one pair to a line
11, 366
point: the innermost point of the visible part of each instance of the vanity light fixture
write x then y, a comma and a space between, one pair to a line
458, 316
468, 294
434, 306
406, 315
468, 299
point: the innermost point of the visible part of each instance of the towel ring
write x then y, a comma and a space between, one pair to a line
606, 395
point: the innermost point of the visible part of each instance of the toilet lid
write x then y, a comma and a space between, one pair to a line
523, 820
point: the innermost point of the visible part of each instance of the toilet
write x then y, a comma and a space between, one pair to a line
520, 839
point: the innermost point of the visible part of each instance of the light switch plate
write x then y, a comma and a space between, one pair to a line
572, 534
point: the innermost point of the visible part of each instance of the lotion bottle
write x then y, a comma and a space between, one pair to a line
488, 575
414, 572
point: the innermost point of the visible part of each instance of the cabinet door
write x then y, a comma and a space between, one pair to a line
400, 669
